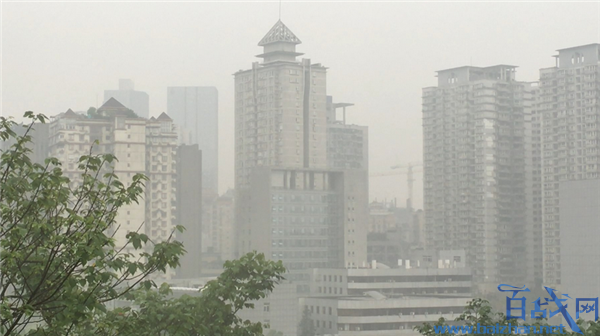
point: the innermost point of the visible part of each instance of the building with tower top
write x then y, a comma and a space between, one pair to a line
290, 204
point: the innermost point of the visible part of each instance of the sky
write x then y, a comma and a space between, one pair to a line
61, 55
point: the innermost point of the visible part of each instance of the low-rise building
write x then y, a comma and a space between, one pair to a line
385, 301
376, 314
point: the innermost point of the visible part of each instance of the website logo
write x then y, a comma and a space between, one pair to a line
516, 306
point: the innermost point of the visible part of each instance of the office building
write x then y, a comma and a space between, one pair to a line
475, 174
386, 301
570, 110
195, 111
137, 101
307, 218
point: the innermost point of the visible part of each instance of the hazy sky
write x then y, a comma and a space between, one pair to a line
57, 56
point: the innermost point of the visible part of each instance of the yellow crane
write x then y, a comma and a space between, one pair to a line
407, 169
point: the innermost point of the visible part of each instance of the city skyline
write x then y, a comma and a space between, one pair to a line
396, 99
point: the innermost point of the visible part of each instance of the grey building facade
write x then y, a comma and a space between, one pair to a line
580, 237
189, 209
307, 218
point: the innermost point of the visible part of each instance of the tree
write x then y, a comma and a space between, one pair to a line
92, 112
479, 312
306, 326
59, 265
211, 312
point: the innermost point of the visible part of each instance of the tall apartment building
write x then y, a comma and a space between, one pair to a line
137, 101
142, 146
289, 203
570, 111
161, 169
475, 171
195, 111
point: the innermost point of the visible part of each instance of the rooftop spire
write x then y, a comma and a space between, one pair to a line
279, 33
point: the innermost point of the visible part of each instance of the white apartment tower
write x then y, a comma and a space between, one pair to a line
141, 146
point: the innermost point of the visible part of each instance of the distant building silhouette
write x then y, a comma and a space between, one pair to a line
137, 101
195, 111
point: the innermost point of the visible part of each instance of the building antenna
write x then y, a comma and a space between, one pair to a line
279, 10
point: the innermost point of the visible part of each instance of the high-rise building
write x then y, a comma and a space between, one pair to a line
189, 209
141, 146
280, 109
195, 111
475, 158
347, 145
161, 189
290, 204
137, 101
570, 111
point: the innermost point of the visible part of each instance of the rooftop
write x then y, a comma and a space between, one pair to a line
279, 33
581, 46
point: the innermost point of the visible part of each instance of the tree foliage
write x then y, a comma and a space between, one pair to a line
479, 312
59, 265
212, 311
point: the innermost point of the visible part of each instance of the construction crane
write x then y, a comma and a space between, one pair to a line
409, 178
